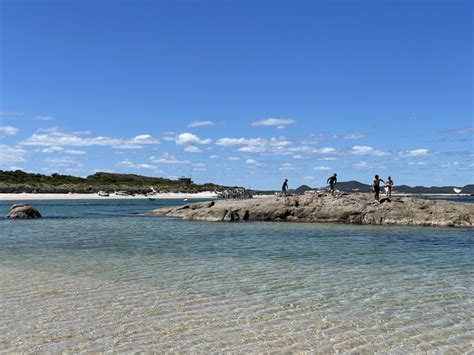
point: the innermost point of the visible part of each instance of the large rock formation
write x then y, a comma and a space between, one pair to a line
356, 208
23, 211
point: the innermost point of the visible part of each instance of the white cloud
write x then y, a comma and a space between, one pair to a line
192, 149
415, 153
465, 130
274, 145
125, 164
321, 168
302, 149
11, 155
168, 159
214, 157
11, 113
364, 165
146, 166
199, 167
297, 157
280, 123
233, 158
8, 131
315, 138
461, 130
450, 165
325, 150
129, 164
189, 138
75, 152
366, 150
43, 118
286, 166
63, 161
327, 158
143, 138
52, 149
201, 124
226, 142
353, 136
56, 137
252, 162
416, 163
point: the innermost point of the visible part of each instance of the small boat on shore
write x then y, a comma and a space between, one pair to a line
103, 194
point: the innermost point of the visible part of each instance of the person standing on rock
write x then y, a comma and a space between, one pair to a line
388, 187
332, 180
284, 188
376, 188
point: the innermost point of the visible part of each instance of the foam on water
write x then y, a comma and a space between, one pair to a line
95, 282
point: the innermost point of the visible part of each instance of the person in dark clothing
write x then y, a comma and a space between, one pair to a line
376, 188
284, 188
332, 180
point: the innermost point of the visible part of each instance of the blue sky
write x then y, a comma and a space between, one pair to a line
239, 92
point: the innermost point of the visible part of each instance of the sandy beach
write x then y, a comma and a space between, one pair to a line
73, 196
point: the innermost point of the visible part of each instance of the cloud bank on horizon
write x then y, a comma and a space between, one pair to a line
285, 96
260, 161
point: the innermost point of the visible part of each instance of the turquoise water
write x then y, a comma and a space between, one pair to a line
91, 276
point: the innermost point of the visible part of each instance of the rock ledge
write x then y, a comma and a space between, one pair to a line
356, 208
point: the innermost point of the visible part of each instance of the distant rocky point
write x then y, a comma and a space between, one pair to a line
355, 208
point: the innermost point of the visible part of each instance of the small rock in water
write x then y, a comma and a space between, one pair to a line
23, 211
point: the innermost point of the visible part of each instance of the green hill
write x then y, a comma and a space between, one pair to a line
19, 181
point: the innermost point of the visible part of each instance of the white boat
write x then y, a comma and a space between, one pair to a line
457, 190
103, 194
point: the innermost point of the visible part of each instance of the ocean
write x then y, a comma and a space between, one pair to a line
95, 275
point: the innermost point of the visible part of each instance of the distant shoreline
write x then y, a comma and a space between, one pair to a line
94, 196
24, 196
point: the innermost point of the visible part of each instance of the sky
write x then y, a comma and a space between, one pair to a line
240, 92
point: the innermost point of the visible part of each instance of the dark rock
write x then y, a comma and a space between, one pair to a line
23, 211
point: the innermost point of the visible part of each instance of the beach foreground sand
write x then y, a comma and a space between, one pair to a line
73, 196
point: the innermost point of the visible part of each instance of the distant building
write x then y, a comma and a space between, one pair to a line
185, 180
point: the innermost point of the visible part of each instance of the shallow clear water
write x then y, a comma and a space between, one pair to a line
90, 276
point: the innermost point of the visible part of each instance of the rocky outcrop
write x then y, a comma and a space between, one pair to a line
23, 211
357, 208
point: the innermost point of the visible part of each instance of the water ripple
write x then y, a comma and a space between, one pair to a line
127, 284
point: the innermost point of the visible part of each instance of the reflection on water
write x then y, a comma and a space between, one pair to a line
102, 279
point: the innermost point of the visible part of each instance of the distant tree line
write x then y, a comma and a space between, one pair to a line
19, 181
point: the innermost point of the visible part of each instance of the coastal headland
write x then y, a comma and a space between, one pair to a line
354, 208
